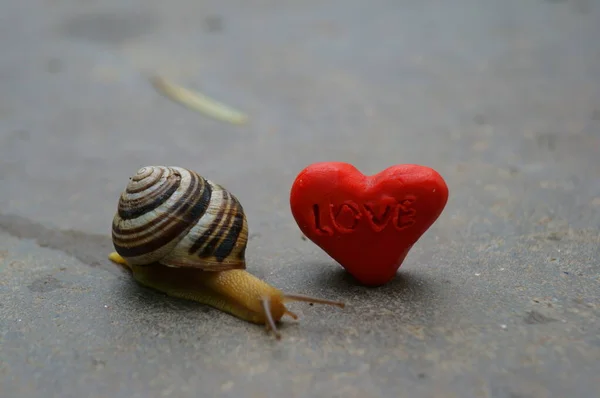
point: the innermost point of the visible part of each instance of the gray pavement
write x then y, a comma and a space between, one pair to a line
500, 298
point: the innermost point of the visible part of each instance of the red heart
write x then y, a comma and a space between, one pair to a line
368, 224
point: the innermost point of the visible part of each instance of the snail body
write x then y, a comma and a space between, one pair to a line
186, 236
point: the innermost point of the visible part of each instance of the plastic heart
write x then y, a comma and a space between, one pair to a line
368, 224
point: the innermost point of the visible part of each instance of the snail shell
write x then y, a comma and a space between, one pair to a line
174, 216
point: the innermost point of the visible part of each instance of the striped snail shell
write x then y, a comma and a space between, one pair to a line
174, 216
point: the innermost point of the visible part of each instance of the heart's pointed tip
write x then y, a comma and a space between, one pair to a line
371, 281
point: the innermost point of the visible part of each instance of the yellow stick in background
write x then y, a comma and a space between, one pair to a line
198, 102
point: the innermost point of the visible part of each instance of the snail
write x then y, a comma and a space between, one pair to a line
176, 232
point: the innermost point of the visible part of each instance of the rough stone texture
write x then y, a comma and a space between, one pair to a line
499, 299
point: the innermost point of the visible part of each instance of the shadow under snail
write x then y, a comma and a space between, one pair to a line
186, 236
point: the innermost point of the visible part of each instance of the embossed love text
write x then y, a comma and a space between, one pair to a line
347, 216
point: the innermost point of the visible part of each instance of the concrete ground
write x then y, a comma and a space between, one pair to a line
500, 298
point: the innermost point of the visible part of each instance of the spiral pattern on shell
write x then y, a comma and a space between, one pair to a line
174, 216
